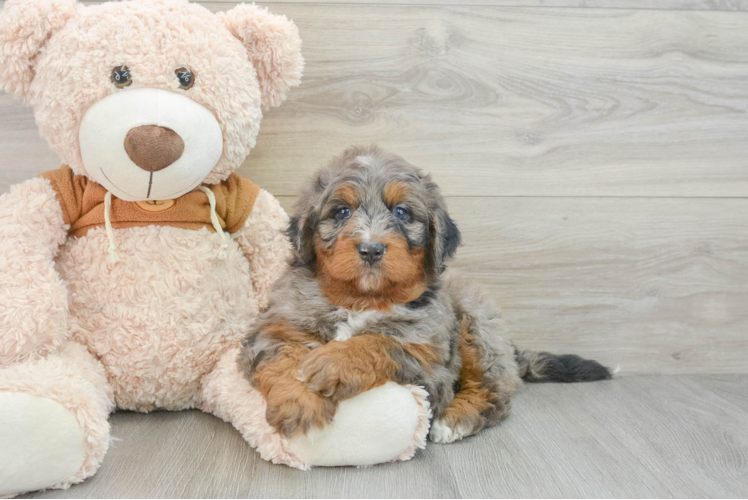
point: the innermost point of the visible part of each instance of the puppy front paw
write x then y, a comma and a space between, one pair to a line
343, 369
329, 372
298, 413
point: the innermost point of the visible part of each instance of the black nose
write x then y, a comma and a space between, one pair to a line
371, 251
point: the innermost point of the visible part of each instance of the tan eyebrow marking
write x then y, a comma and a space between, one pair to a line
348, 194
395, 192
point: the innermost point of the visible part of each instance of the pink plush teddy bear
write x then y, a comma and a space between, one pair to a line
129, 276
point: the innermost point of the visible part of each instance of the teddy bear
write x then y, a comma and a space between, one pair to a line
130, 275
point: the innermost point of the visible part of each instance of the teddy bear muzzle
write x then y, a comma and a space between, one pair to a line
149, 144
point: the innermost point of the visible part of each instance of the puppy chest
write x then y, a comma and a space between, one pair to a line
356, 323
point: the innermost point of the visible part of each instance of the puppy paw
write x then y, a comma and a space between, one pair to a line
299, 414
343, 369
330, 372
446, 431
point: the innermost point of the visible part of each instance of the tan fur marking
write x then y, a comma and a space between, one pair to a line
340, 271
282, 330
395, 192
348, 194
401, 264
341, 370
291, 407
425, 354
473, 398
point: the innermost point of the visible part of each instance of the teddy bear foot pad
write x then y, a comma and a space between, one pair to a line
383, 424
43, 444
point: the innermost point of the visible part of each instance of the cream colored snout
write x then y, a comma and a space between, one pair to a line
149, 144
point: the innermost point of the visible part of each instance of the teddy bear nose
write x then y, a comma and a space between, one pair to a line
153, 148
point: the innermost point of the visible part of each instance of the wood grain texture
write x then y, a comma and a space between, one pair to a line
503, 101
512, 101
629, 437
624, 442
651, 285
732, 388
728, 5
23, 154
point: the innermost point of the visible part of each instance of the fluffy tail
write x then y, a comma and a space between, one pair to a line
546, 367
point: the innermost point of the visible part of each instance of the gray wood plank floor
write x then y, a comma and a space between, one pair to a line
654, 436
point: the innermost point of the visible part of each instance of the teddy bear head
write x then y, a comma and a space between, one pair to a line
149, 98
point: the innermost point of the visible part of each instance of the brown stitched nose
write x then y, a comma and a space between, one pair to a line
153, 148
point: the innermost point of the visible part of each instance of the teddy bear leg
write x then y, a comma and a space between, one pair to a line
383, 424
53, 420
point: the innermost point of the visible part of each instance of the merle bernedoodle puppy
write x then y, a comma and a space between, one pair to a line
367, 299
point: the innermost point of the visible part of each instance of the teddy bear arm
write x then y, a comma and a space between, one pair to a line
387, 423
33, 297
264, 244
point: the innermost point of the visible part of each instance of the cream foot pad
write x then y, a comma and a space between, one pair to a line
42, 443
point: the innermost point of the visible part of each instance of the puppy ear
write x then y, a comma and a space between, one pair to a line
25, 27
444, 234
273, 46
305, 218
301, 233
446, 239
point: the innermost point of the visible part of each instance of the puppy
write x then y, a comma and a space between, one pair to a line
367, 300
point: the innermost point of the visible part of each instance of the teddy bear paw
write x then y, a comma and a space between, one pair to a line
376, 426
43, 444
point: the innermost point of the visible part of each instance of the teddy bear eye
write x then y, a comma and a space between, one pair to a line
185, 77
121, 77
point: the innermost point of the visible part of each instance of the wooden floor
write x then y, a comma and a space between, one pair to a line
644, 436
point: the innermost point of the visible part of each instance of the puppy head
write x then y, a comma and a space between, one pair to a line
374, 225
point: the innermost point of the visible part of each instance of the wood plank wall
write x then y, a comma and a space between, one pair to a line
595, 158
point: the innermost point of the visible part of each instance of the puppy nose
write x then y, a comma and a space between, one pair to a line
371, 251
153, 148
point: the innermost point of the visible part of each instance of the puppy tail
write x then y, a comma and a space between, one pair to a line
535, 366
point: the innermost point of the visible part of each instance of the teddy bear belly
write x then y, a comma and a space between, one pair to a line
161, 317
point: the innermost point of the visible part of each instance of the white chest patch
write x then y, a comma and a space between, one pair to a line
357, 321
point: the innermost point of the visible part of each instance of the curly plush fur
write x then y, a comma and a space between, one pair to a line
368, 302
81, 332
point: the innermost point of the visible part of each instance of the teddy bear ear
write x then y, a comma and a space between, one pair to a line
273, 46
25, 26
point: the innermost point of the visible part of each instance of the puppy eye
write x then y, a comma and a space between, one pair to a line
185, 77
400, 213
343, 213
121, 77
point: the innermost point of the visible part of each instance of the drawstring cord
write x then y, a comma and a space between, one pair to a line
113, 254
215, 221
